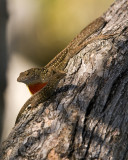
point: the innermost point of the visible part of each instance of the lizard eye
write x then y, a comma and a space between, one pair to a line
27, 73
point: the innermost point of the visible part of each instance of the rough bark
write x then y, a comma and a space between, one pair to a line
87, 118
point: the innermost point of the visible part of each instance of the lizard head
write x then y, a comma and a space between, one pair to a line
30, 76
37, 78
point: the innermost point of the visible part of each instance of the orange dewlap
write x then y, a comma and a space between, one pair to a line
36, 87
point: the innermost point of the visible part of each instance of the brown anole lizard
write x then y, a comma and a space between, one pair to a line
43, 94
38, 78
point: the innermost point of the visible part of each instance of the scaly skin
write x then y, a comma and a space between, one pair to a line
42, 75
44, 93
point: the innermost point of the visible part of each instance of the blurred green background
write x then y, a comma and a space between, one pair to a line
36, 32
41, 29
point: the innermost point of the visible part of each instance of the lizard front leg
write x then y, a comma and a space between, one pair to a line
44, 94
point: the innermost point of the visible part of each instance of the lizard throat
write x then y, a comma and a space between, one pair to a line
33, 88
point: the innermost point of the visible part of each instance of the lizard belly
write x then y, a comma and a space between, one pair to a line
33, 88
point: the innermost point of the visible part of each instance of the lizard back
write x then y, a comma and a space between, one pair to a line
77, 41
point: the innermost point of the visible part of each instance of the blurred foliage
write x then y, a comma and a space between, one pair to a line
46, 27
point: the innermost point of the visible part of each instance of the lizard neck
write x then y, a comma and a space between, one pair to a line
33, 88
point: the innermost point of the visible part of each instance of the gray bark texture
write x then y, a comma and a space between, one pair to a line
87, 118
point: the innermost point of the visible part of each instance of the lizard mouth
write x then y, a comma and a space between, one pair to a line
33, 88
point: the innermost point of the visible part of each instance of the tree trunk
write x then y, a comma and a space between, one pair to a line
87, 118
